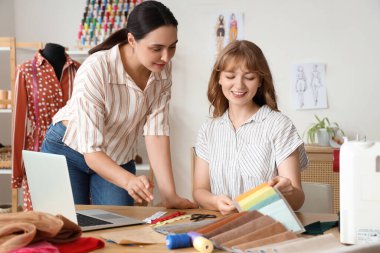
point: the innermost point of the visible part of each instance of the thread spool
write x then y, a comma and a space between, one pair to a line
178, 241
203, 245
200, 243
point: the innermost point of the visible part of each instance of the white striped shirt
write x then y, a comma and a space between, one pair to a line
241, 160
108, 110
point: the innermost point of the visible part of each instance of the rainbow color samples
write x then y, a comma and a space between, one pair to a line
269, 201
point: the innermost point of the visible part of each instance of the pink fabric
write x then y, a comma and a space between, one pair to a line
39, 247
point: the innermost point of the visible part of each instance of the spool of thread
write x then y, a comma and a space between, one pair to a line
200, 243
203, 245
178, 241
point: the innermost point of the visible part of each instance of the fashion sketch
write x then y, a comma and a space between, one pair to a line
301, 85
220, 33
233, 28
315, 83
309, 85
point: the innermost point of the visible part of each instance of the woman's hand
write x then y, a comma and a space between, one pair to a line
283, 184
224, 204
139, 187
179, 203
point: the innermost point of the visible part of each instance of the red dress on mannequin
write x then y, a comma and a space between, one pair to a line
39, 94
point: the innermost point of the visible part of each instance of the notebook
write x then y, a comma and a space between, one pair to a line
269, 201
50, 191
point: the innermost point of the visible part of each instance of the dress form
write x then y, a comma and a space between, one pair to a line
55, 55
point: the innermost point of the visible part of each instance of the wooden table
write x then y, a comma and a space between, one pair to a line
144, 212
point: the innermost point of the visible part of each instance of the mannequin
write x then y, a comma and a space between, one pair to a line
55, 55
42, 86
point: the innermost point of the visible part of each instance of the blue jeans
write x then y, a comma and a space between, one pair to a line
87, 186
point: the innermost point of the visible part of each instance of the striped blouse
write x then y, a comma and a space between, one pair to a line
108, 110
241, 160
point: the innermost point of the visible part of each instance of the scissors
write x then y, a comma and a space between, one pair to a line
199, 216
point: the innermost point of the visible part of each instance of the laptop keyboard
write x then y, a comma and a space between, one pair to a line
86, 221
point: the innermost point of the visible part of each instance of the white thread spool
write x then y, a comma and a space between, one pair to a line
203, 245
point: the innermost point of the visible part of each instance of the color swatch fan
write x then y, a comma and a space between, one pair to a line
269, 201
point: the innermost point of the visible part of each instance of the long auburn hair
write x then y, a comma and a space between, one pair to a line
144, 18
239, 54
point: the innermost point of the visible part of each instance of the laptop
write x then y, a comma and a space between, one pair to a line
50, 192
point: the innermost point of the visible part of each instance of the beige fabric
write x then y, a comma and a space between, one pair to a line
19, 229
316, 244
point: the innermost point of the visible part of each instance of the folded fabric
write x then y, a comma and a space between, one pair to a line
19, 229
264, 232
242, 230
318, 228
320, 243
81, 245
38, 247
265, 241
246, 217
218, 223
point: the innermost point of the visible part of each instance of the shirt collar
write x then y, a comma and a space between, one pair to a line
259, 116
40, 59
117, 74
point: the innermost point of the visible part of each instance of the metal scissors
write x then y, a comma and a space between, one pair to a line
199, 216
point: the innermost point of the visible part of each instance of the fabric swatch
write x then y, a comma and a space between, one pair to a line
247, 217
218, 223
242, 230
264, 232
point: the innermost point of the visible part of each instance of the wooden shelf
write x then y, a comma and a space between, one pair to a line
319, 153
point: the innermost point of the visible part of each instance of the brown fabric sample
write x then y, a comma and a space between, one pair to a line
246, 217
20, 229
219, 222
242, 230
264, 232
265, 241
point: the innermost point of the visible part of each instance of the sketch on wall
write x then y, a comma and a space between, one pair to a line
309, 86
228, 26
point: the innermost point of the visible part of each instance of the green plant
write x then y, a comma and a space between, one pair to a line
324, 123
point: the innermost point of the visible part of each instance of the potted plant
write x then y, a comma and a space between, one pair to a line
325, 131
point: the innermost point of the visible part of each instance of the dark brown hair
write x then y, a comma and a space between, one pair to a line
144, 18
239, 54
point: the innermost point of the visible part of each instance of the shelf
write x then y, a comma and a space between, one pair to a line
5, 171
77, 52
5, 110
5, 49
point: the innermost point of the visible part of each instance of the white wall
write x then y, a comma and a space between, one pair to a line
344, 34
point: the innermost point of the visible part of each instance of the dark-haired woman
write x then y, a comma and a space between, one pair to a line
122, 89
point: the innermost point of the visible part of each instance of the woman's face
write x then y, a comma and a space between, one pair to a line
239, 85
157, 48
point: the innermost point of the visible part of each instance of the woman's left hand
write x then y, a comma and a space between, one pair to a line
180, 203
283, 184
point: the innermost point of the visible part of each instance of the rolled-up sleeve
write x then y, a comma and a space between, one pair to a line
286, 140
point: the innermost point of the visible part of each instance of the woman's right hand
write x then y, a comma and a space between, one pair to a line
139, 188
224, 204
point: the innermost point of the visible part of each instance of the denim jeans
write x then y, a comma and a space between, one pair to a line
87, 186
